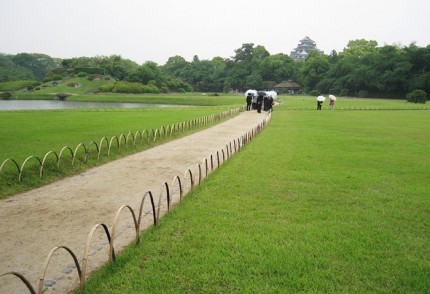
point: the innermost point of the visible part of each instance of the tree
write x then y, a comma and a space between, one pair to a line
314, 70
244, 53
38, 64
176, 66
360, 47
277, 68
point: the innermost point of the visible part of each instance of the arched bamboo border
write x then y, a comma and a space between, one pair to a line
61, 153
87, 248
181, 191
23, 279
115, 223
48, 259
110, 144
12, 160
104, 139
200, 173
89, 146
42, 165
160, 198
76, 152
154, 214
24, 163
189, 173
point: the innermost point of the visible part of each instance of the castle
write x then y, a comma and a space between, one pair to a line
305, 46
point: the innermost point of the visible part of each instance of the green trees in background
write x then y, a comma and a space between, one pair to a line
362, 69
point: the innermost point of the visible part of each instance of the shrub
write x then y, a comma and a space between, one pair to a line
82, 74
417, 96
89, 70
128, 87
5, 95
314, 93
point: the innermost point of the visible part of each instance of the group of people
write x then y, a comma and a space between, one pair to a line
258, 100
321, 99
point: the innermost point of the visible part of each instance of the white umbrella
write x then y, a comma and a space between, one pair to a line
272, 94
321, 98
252, 92
332, 97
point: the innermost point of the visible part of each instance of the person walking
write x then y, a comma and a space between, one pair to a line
265, 103
319, 104
248, 102
331, 104
259, 103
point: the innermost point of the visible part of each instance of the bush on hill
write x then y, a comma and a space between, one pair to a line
128, 87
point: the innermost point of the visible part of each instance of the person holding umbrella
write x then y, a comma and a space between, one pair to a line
332, 100
320, 100
248, 102
261, 94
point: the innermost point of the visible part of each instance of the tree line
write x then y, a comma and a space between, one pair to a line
362, 69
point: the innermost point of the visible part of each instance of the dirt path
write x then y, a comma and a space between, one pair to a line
63, 213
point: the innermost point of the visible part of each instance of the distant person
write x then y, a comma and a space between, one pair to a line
266, 103
248, 102
331, 104
254, 102
319, 104
259, 103
270, 103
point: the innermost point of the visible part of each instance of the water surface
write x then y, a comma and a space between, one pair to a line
56, 104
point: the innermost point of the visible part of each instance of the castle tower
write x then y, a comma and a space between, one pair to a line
305, 46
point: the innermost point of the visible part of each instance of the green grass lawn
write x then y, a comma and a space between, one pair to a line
319, 202
346, 103
26, 133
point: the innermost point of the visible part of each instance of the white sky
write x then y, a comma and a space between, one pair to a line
154, 30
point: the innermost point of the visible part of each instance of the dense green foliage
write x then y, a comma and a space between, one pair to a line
320, 202
417, 96
362, 69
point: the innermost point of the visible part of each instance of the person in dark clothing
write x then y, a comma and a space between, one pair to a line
319, 104
254, 102
248, 102
259, 103
265, 103
270, 103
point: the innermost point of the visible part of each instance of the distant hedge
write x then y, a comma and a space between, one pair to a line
128, 87
89, 70
17, 85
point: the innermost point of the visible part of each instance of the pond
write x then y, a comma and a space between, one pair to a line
57, 104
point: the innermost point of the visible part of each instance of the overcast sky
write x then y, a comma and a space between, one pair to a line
154, 30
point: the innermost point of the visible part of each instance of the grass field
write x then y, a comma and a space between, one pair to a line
319, 202
26, 133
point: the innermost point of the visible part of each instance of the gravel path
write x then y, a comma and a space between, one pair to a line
63, 213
